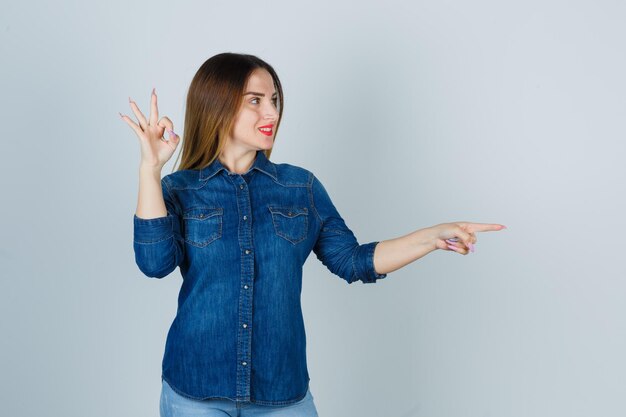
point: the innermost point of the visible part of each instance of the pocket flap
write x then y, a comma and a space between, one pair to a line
201, 213
289, 211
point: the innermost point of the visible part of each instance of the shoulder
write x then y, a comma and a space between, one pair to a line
183, 179
290, 174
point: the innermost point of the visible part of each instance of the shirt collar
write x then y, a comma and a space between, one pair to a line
260, 163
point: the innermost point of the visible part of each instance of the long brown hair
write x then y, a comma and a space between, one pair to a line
213, 101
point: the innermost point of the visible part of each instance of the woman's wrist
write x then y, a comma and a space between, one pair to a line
426, 238
150, 169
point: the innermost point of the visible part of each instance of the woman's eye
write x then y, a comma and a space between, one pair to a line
274, 100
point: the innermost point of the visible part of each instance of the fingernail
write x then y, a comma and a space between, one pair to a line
452, 247
171, 133
121, 115
154, 90
471, 246
129, 99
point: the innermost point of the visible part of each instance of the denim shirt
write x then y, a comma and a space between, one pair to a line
240, 241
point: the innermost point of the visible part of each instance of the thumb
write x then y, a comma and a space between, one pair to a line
173, 136
465, 236
166, 123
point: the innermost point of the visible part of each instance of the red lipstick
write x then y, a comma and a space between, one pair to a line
269, 130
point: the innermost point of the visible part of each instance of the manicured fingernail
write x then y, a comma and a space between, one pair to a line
121, 115
454, 248
154, 90
171, 133
471, 246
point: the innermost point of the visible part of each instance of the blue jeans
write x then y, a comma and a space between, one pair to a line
175, 405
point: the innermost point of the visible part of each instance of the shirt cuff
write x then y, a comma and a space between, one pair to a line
365, 268
153, 230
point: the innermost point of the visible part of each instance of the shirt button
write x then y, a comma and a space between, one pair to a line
247, 251
245, 287
244, 363
245, 325
241, 186
245, 217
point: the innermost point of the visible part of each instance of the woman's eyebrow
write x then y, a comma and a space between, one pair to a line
257, 94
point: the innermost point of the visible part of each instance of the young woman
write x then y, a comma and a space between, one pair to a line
240, 228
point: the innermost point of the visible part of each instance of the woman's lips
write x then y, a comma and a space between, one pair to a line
267, 133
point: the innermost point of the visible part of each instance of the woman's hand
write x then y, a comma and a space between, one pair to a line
459, 236
155, 149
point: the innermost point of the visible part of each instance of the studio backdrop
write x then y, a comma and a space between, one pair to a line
411, 114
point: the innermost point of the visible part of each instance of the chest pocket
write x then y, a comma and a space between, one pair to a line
203, 225
290, 223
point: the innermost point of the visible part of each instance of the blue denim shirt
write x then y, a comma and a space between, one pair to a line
240, 241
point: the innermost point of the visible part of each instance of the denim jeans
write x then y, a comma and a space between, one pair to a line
175, 405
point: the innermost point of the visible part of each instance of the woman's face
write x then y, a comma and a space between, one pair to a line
257, 117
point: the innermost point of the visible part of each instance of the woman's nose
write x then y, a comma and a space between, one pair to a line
271, 113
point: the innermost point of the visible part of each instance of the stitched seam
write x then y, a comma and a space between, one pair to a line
211, 238
356, 273
152, 221
338, 231
172, 199
310, 187
149, 242
284, 236
370, 261
375, 275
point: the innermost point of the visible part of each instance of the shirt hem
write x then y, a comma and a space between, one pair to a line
251, 401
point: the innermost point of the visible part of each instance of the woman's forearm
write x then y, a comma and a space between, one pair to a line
393, 254
150, 203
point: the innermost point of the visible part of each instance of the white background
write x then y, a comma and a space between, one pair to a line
411, 114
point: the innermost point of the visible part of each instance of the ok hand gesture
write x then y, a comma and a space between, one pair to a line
155, 149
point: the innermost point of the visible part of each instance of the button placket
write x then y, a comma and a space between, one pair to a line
247, 275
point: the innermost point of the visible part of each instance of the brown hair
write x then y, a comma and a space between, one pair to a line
213, 101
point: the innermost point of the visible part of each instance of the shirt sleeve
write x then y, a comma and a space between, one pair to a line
336, 246
158, 242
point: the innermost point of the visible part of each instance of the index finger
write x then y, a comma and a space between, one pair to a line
483, 227
154, 111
